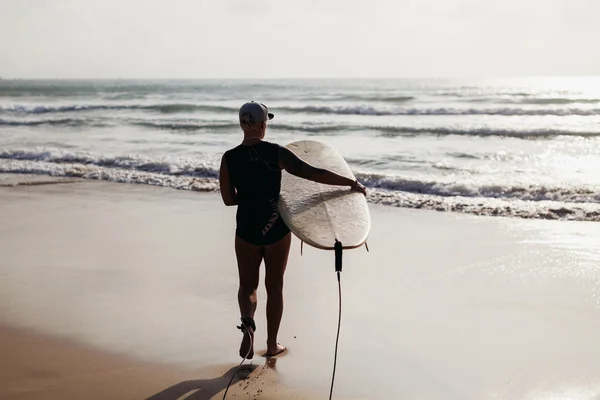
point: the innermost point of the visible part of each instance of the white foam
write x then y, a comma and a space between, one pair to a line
508, 207
491, 190
488, 206
157, 165
109, 174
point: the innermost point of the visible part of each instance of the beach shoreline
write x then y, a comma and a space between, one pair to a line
444, 305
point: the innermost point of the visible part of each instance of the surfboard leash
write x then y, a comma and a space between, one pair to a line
338, 269
242, 327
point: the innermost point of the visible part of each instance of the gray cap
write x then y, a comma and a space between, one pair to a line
254, 112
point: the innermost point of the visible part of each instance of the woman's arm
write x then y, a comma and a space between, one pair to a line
228, 192
298, 167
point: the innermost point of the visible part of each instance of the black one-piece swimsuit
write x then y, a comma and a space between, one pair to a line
255, 173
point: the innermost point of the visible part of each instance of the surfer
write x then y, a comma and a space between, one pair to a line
250, 178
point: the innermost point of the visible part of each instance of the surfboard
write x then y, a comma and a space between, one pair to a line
319, 214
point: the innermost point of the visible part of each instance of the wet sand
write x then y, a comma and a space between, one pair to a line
129, 291
36, 366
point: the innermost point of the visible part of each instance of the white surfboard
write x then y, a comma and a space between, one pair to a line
320, 214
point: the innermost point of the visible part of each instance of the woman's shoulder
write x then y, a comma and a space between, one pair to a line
233, 150
264, 146
272, 147
231, 154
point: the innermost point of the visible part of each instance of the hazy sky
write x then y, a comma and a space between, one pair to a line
302, 38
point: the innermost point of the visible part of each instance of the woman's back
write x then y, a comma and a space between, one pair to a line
255, 174
254, 171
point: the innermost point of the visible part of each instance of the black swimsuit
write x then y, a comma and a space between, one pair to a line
255, 173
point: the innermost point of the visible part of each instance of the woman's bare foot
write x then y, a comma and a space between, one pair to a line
247, 346
275, 350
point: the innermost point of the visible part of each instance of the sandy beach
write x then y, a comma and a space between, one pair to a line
129, 292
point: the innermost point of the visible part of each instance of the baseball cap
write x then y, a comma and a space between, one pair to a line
254, 112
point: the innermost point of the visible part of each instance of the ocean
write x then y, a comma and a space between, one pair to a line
526, 148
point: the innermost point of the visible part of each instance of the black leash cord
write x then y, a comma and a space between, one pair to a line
338, 269
243, 359
338, 333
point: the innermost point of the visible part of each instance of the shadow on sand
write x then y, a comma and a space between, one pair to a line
204, 389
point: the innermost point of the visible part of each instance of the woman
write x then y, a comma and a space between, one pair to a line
250, 177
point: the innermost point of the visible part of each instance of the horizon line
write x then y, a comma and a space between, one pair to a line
12, 78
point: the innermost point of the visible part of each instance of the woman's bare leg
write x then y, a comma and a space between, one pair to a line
276, 257
249, 258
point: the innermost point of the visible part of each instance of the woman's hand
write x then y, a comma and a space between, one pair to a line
359, 187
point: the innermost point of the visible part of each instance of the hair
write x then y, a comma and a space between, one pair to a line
251, 125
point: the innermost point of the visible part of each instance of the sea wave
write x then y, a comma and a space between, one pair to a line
373, 111
474, 91
167, 124
193, 168
393, 131
543, 202
135, 163
117, 175
461, 204
366, 110
69, 122
184, 125
474, 190
379, 98
514, 208
193, 125
69, 108
560, 100
382, 130
539, 101
391, 99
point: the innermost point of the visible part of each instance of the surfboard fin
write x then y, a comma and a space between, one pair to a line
367, 247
